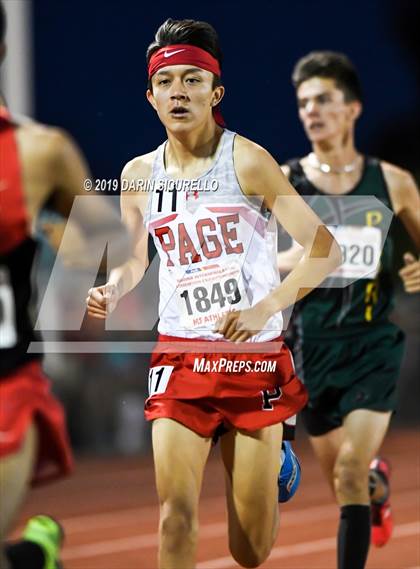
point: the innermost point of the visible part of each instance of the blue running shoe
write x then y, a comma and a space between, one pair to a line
289, 477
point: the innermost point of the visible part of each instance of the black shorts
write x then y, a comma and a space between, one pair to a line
345, 374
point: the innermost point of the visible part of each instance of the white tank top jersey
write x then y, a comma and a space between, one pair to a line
217, 248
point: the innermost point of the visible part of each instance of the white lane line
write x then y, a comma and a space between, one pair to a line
130, 543
210, 531
303, 548
306, 548
107, 547
108, 520
206, 531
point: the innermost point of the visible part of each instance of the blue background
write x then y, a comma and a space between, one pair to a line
91, 73
90, 78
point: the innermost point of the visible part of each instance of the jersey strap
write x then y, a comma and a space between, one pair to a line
298, 179
13, 215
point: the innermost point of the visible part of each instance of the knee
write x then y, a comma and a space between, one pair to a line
178, 525
350, 476
250, 557
249, 553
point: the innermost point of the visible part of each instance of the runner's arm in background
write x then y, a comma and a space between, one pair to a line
103, 300
93, 222
405, 200
289, 258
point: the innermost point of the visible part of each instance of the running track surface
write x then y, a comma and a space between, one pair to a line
109, 513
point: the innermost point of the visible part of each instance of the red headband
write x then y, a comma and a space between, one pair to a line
185, 54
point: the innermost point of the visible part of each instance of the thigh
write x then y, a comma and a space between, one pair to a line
180, 455
15, 475
252, 463
363, 433
326, 448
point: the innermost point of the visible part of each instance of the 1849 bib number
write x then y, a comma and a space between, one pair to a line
203, 299
206, 293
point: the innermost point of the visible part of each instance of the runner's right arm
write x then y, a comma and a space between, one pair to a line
102, 300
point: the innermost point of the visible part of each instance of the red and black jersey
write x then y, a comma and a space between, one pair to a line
17, 253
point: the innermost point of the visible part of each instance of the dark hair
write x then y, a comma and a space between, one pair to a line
3, 22
331, 65
192, 32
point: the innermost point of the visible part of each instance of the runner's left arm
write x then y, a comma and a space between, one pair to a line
405, 200
259, 175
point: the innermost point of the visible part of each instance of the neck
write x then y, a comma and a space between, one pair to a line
337, 153
186, 147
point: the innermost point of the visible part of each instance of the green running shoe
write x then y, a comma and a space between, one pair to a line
49, 535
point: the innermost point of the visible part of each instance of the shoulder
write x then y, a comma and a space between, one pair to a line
250, 149
47, 136
53, 151
401, 186
139, 167
45, 139
251, 158
258, 173
395, 176
134, 195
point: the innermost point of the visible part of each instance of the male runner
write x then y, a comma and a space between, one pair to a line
347, 351
219, 286
39, 166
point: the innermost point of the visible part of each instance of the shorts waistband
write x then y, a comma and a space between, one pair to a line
166, 344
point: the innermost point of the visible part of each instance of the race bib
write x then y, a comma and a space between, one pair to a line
206, 293
158, 379
8, 333
361, 248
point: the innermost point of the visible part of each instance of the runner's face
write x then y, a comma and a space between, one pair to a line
323, 110
183, 96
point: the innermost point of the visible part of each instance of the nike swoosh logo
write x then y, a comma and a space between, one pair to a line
171, 53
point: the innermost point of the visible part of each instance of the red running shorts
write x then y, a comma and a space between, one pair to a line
216, 391
25, 397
